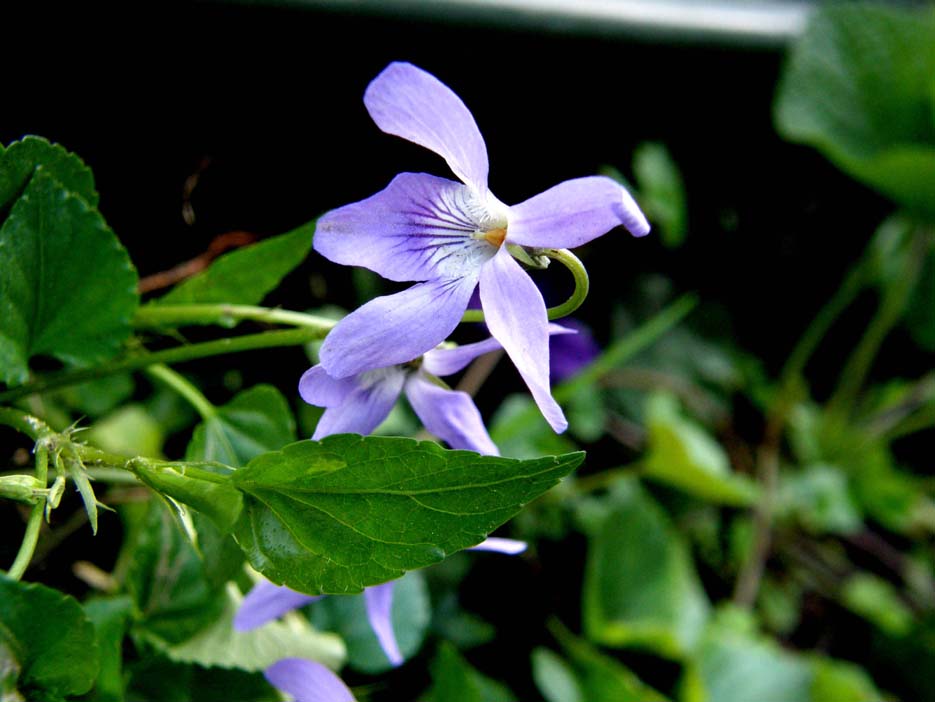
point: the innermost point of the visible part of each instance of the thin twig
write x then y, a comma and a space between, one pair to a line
176, 274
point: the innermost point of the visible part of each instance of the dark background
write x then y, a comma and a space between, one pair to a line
268, 103
270, 99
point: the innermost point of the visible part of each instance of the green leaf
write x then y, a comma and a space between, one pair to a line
338, 515
661, 192
19, 162
219, 645
877, 601
129, 431
586, 414
219, 501
83, 484
98, 397
254, 422
346, 615
683, 455
455, 680
858, 86
245, 276
837, 681
109, 616
156, 679
640, 586
50, 640
819, 496
920, 316
554, 677
67, 287
173, 594
734, 664
602, 678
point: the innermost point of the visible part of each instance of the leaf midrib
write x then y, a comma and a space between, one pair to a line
247, 485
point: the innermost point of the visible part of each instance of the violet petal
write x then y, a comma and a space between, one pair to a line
379, 601
497, 544
318, 388
419, 227
307, 681
450, 415
516, 316
396, 328
410, 103
573, 213
363, 409
442, 362
266, 602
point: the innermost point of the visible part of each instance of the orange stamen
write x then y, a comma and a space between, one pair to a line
495, 237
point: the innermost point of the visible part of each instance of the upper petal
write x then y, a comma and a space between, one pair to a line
574, 212
408, 102
396, 328
266, 602
516, 316
379, 601
307, 681
369, 402
419, 227
450, 415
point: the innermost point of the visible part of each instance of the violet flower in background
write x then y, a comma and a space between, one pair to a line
569, 353
357, 404
450, 237
267, 601
307, 681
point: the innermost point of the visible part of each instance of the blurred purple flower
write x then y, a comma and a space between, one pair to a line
307, 681
571, 352
449, 237
357, 404
267, 601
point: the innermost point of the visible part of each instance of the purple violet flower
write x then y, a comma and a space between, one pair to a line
569, 353
267, 601
307, 681
358, 403
449, 238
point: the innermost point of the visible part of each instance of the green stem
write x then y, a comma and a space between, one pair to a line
149, 316
103, 459
31, 537
582, 285
249, 342
822, 322
24, 423
887, 316
921, 420
178, 383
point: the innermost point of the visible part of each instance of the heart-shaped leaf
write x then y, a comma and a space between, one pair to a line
45, 635
67, 287
858, 87
347, 512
